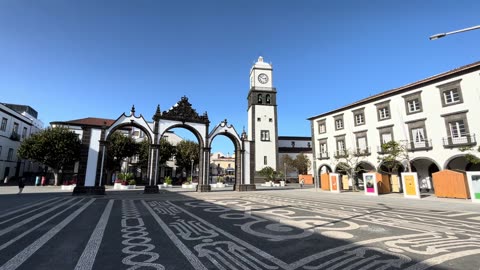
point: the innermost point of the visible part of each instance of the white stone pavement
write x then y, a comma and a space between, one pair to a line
429, 201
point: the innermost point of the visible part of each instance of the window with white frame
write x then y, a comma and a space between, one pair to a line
265, 135
322, 127
451, 93
414, 105
384, 113
339, 124
386, 134
10, 154
359, 116
15, 127
457, 129
413, 102
383, 110
418, 135
359, 119
338, 120
451, 96
362, 144
386, 137
24, 133
3, 127
341, 147
322, 148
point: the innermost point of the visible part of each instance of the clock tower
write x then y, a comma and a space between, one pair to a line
262, 118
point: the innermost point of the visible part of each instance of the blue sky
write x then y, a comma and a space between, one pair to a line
76, 59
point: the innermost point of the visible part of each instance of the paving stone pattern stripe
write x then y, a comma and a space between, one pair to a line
21, 257
87, 258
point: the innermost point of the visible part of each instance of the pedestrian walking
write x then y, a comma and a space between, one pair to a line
21, 185
301, 183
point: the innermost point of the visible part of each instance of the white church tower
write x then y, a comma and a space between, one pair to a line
262, 117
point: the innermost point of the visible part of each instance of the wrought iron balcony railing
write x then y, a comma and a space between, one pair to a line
464, 140
362, 151
424, 145
323, 156
341, 153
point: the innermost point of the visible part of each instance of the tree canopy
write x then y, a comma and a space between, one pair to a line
186, 151
268, 172
120, 147
393, 154
55, 147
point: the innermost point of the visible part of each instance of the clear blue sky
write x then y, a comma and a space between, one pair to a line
76, 59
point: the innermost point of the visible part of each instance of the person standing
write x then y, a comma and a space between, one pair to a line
21, 185
301, 183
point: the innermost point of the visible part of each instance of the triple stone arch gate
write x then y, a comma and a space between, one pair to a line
182, 115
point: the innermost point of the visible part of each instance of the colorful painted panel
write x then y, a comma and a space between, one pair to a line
334, 182
369, 183
410, 187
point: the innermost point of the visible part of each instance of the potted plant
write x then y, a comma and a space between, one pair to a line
123, 180
167, 182
188, 183
132, 184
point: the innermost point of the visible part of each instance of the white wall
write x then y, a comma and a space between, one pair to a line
432, 111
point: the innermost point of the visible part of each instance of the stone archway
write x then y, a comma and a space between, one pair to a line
179, 115
242, 180
121, 122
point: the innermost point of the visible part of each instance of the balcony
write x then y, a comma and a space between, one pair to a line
463, 141
362, 151
15, 136
424, 145
341, 154
323, 156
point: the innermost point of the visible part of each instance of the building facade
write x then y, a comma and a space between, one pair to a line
262, 117
17, 123
433, 119
292, 146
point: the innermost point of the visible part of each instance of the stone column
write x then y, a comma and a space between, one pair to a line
204, 167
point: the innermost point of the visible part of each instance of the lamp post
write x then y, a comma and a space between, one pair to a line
440, 35
191, 172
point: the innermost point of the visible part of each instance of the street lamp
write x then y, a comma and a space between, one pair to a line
440, 35
191, 172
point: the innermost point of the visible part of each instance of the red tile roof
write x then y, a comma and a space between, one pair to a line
89, 121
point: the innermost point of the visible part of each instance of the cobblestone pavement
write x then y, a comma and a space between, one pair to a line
269, 229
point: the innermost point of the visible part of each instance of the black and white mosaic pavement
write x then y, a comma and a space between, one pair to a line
235, 231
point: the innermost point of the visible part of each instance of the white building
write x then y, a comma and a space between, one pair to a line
17, 123
292, 146
433, 117
268, 148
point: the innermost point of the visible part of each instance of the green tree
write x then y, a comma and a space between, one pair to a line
120, 147
186, 151
268, 172
287, 165
55, 147
393, 154
347, 163
301, 163
470, 155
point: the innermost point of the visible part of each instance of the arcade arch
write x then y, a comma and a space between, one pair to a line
460, 162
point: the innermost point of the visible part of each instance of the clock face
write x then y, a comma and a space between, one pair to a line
263, 78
